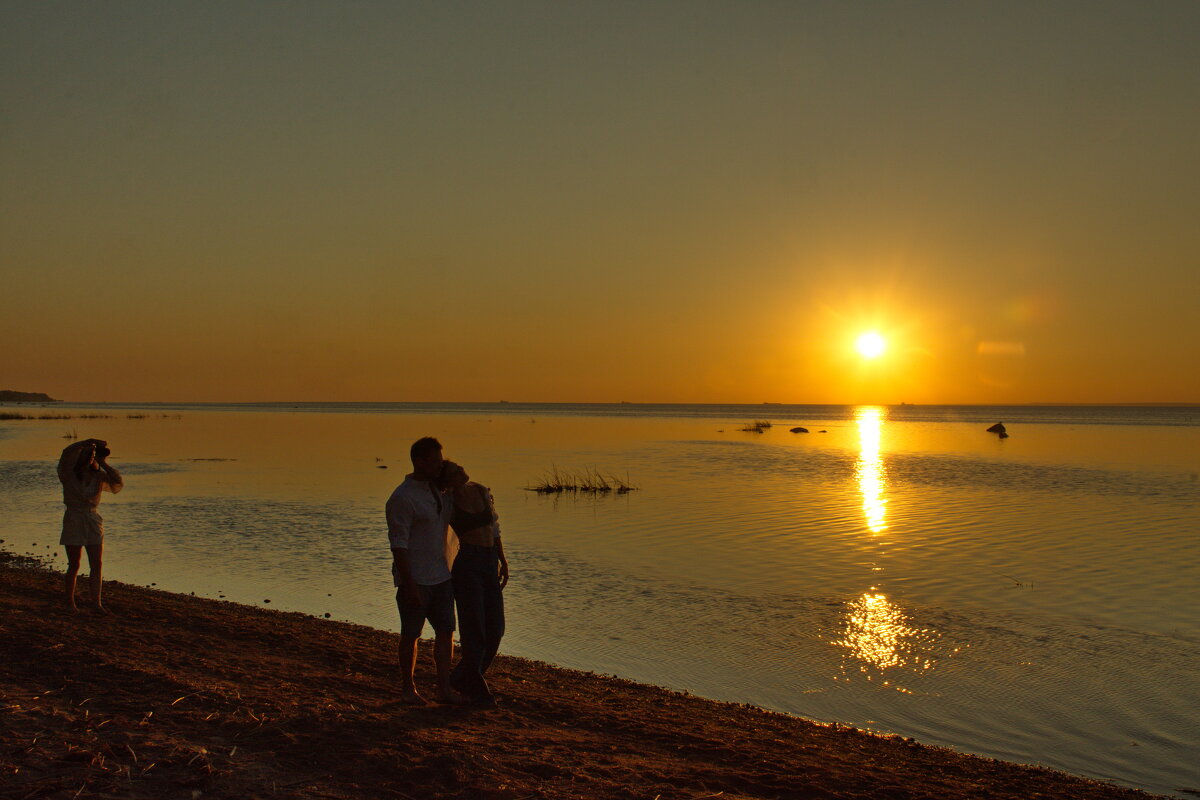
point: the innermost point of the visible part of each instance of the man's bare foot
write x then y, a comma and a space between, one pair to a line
97, 608
411, 698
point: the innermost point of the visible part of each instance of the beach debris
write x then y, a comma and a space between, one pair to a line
1016, 581
798, 429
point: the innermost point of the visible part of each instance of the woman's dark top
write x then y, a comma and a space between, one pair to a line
462, 521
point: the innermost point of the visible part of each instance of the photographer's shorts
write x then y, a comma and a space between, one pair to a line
81, 528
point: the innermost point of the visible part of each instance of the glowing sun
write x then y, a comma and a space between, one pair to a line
870, 345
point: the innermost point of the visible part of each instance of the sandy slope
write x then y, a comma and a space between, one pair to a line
181, 697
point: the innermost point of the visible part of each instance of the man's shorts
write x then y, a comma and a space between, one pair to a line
437, 606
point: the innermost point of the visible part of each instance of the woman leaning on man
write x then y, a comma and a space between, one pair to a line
480, 573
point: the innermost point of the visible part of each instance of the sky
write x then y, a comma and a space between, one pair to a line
601, 202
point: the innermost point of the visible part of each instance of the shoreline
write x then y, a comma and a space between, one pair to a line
181, 696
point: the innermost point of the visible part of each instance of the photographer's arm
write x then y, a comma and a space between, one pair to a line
66, 462
70, 456
112, 478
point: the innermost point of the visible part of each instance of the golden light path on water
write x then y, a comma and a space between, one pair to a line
877, 635
869, 468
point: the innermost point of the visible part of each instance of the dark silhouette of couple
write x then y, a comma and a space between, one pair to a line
431, 584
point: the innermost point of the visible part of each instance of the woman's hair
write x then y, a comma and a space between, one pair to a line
449, 469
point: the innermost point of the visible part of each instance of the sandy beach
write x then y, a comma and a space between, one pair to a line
179, 696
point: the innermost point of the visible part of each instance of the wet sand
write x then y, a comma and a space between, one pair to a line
184, 697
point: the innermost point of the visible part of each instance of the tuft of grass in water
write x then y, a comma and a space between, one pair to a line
14, 415
7, 415
18, 415
588, 481
758, 426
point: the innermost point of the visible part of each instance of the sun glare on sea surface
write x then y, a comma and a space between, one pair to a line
870, 345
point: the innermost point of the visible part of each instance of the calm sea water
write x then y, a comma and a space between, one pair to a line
1033, 598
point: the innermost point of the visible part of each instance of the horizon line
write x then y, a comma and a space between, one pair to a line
1126, 404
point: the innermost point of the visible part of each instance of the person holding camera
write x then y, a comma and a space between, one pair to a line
85, 474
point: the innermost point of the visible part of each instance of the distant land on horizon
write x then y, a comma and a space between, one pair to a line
12, 396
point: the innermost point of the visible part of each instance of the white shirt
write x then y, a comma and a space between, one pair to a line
418, 519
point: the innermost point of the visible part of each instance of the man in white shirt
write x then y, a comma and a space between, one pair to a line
418, 516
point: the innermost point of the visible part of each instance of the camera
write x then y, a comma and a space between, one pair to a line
102, 451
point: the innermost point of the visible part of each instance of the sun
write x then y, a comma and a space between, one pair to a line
870, 345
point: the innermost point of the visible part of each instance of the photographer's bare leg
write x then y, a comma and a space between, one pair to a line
95, 554
74, 551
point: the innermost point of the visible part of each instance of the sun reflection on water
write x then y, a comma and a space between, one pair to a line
878, 636
869, 470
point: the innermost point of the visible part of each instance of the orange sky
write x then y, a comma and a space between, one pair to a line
664, 202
